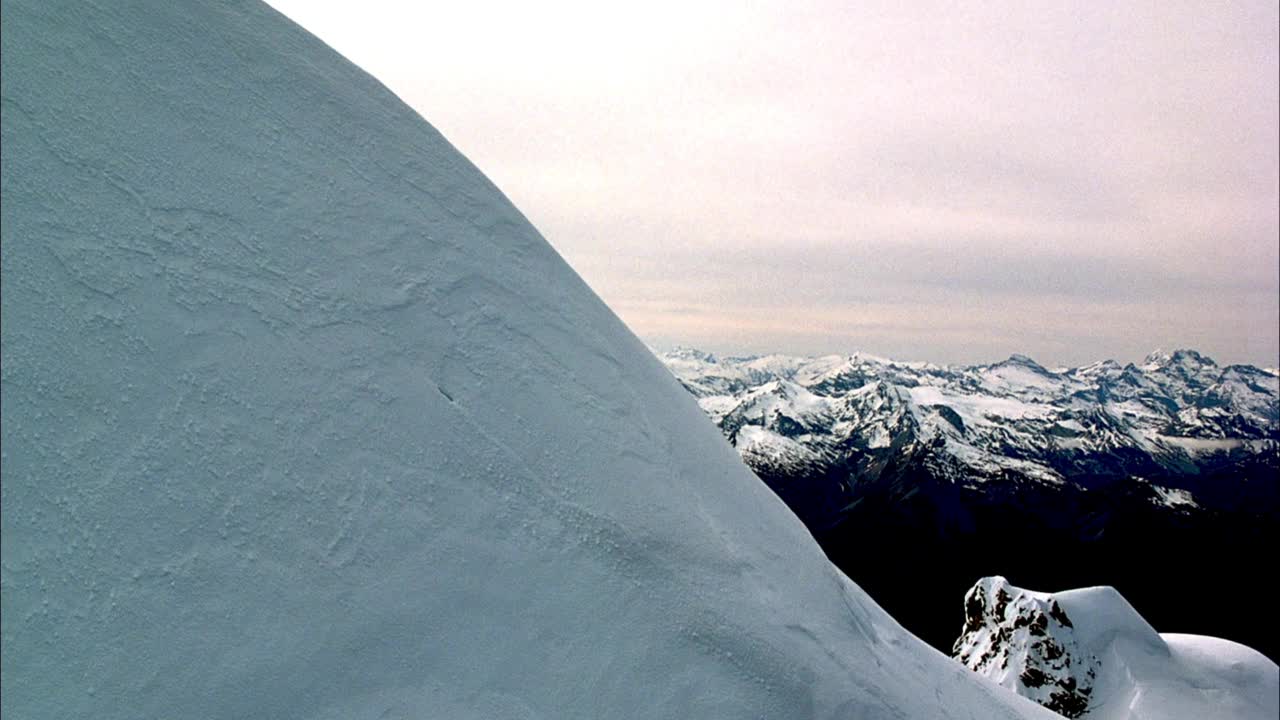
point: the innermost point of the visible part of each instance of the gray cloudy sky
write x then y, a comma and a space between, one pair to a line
946, 181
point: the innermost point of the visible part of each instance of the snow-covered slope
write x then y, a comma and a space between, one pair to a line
302, 419
1087, 653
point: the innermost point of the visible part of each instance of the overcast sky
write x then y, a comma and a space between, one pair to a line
945, 181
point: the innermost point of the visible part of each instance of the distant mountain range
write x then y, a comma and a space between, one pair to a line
920, 478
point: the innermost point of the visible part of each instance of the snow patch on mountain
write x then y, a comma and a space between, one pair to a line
979, 409
1175, 497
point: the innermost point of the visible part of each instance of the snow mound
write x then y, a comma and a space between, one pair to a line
1089, 654
302, 419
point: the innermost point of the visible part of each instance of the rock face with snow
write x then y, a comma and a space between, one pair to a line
302, 419
1024, 642
1054, 476
1088, 654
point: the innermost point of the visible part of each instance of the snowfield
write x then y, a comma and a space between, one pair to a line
302, 419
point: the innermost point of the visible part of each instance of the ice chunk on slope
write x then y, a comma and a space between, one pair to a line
302, 419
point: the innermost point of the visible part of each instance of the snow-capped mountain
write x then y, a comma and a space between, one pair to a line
1172, 422
302, 419
1089, 654
1000, 468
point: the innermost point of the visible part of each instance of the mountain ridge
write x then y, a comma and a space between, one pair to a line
1178, 410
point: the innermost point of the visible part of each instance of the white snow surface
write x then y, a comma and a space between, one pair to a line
1149, 676
1127, 670
302, 419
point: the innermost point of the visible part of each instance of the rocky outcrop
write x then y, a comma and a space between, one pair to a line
1089, 654
1023, 641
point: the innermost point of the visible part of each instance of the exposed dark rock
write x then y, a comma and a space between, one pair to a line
1024, 644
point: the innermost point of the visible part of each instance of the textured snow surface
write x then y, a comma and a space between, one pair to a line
302, 419
1090, 654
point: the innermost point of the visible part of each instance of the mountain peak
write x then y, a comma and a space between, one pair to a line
1020, 360
1180, 357
681, 352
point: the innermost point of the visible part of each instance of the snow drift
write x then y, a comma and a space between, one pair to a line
1089, 654
302, 419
